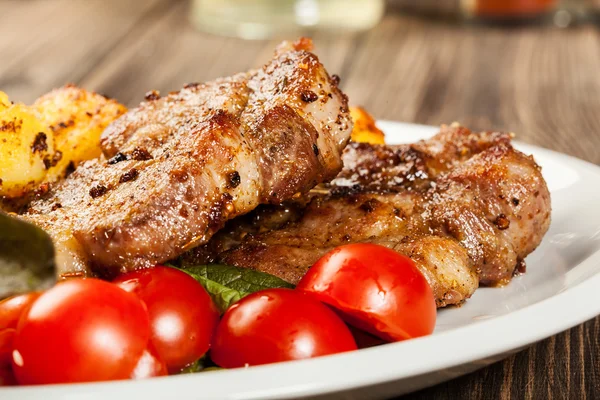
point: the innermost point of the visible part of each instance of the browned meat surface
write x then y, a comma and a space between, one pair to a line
177, 168
465, 207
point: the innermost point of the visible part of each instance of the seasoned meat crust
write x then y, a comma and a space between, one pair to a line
466, 207
176, 168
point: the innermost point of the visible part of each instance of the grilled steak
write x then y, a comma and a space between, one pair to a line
176, 168
466, 207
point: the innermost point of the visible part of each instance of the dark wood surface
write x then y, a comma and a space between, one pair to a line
539, 82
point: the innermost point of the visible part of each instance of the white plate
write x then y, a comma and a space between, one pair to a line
558, 291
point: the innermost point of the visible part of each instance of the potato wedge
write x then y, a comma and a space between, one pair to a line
76, 119
26, 150
39, 143
365, 129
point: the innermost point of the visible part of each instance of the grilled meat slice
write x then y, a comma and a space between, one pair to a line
177, 168
498, 206
463, 206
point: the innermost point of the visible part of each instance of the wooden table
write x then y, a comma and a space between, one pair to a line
542, 83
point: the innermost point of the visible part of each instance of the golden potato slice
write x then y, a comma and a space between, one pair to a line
365, 129
39, 143
76, 119
26, 150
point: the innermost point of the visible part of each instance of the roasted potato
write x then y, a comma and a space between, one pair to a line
25, 149
365, 129
76, 119
39, 143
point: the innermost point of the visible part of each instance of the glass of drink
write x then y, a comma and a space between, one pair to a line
262, 19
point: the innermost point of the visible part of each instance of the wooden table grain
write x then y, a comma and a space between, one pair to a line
539, 82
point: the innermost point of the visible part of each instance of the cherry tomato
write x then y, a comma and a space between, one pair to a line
7, 377
80, 330
278, 325
375, 289
183, 316
11, 308
6, 346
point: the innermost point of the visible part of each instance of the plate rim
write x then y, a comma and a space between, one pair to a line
353, 370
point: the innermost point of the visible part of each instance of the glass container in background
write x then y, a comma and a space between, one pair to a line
263, 19
509, 10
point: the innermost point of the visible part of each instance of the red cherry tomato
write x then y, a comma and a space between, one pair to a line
12, 308
7, 377
6, 346
80, 330
375, 289
278, 325
182, 314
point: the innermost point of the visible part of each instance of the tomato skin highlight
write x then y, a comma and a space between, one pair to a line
81, 330
375, 289
182, 314
149, 365
276, 325
12, 308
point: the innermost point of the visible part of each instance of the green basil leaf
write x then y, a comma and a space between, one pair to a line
228, 284
197, 366
215, 368
204, 364
26, 257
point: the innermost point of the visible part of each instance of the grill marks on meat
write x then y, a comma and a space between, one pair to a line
436, 201
210, 152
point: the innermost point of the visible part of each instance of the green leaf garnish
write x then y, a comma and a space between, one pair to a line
228, 284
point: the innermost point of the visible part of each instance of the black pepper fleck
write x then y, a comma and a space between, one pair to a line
98, 191
130, 175
117, 158
315, 149
233, 179
39, 143
515, 201
140, 154
308, 96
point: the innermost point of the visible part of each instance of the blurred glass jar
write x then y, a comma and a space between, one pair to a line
262, 19
508, 10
